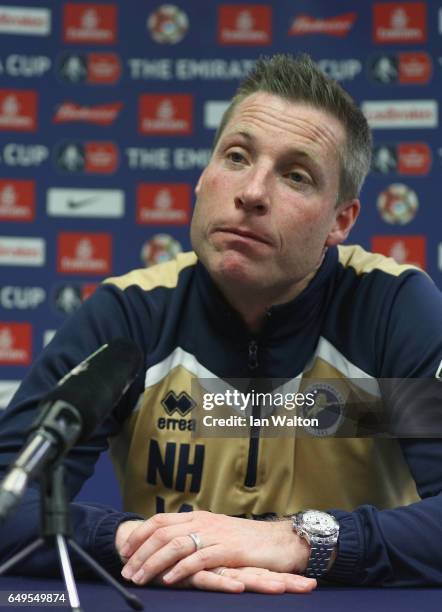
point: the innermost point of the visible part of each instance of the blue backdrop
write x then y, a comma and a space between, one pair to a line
107, 114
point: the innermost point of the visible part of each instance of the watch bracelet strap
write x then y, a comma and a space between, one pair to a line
320, 556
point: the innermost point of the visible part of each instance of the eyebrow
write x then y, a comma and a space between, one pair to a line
289, 153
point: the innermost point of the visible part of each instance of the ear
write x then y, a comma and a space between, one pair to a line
346, 215
198, 185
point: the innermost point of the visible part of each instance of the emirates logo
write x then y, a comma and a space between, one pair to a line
6, 339
245, 21
90, 19
163, 199
84, 249
165, 110
10, 106
8, 196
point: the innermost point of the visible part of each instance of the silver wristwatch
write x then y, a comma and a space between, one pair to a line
321, 530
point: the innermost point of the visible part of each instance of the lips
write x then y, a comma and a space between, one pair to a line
245, 233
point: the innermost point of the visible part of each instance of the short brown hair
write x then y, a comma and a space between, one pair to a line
299, 79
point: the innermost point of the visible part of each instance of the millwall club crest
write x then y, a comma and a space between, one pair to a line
328, 409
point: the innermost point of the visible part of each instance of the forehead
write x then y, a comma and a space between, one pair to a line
286, 122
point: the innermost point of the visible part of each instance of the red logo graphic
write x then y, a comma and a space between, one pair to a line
163, 203
17, 200
15, 343
18, 110
102, 114
338, 26
103, 68
101, 157
90, 23
414, 158
84, 253
414, 68
404, 249
244, 24
400, 22
165, 114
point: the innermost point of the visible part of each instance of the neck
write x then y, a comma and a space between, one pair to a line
252, 306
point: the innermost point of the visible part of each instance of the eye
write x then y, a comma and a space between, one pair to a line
298, 177
235, 156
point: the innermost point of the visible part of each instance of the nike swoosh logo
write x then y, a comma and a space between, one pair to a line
81, 203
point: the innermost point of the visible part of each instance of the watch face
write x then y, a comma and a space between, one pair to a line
319, 523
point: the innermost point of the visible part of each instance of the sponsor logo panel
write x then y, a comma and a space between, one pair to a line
406, 158
18, 110
160, 248
407, 114
99, 157
163, 203
338, 26
213, 112
21, 298
168, 24
18, 251
100, 114
17, 200
408, 68
403, 249
90, 68
26, 66
101, 203
80, 253
90, 24
15, 343
25, 20
400, 22
165, 114
398, 204
244, 24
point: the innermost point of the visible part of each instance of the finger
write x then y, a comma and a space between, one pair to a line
147, 528
162, 550
210, 581
259, 581
205, 558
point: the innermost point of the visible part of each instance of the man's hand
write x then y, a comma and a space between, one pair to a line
164, 542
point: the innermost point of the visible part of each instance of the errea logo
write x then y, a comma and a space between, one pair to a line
181, 403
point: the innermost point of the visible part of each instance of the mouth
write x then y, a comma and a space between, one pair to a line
245, 234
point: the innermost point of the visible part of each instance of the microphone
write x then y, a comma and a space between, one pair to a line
70, 413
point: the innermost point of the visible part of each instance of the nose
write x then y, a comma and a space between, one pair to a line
254, 193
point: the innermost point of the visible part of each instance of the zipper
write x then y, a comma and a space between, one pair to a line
252, 458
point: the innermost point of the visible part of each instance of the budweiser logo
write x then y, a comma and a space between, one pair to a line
103, 114
333, 26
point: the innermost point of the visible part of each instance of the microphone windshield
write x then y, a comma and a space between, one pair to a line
98, 383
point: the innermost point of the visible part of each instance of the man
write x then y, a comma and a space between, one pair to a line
269, 294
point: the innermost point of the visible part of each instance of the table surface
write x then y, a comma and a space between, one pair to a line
96, 596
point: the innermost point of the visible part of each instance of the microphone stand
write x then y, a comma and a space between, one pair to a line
56, 530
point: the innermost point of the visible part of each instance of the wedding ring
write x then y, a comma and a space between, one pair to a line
220, 571
196, 540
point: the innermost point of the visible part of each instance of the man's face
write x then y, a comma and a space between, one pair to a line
266, 202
